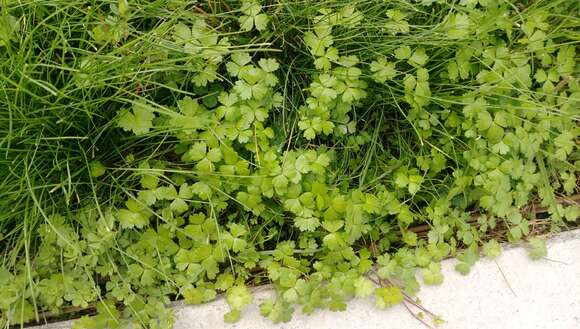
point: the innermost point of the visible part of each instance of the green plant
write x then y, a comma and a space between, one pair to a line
162, 150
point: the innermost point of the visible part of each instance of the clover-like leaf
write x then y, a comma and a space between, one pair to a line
537, 248
139, 120
253, 17
388, 296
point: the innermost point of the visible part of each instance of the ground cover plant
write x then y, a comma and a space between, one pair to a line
152, 151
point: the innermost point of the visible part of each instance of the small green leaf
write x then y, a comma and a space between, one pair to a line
388, 296
224, 281
467, 259
9, 26
253, 17
572, 213
432, 275
123, 7
382, 70
139, 120
290, 295
280, 183
307, 223
403, 52
261, 21
268, 64
232, 316
166, 193
198, 295
491, 249
419, 57
130, 219
537, 248
458, 26
97, 169
238, 297
363, 287
179, 206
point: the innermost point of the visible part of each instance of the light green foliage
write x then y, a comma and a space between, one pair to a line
332, 149
409, 179
97, 168
123, 7
537, 248
112, 30
432, 275
419, 57
364, 287
388, 296
9, 27
467, 259
238, 297
491, 249
139, 120
382, 70
572, 213
397, 23
129, 219
252, 17
458, 26
278, 311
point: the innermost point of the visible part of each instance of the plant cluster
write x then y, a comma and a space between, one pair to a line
172, 149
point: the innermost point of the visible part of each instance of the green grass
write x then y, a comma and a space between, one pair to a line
70, 68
